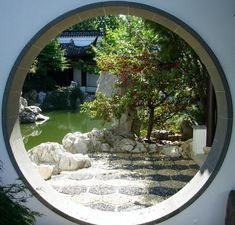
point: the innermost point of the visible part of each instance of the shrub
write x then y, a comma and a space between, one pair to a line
12, 205
101, 108
62, 98
39, 83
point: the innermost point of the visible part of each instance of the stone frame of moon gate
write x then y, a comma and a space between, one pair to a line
152, 215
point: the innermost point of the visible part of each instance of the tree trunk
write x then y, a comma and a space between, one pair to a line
150, 123
136, 125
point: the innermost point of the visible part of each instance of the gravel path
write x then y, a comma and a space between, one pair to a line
125, 182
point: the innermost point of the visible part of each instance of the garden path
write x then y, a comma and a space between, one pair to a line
125, 182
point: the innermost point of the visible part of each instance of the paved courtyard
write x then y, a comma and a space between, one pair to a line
125, 182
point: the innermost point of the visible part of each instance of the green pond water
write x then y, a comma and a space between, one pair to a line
59, 124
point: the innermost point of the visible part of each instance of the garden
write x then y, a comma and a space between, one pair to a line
127, 146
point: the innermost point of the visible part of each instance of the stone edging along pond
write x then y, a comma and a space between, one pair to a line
51, 158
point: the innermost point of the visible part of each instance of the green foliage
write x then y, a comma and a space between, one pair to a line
74, 95
97, 23
39, 83
160, 76
51, 59
143, 132
87, 67
62, 98
100, 108
12, 205
105, 108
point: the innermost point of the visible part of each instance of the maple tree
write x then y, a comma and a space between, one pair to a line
159, 75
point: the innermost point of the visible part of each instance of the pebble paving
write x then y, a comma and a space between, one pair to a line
125, 182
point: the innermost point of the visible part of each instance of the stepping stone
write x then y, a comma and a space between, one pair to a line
185, 178
126, 182
102, 189
81, 176
107, 176
131, 177
101, 206
162, 191
132, 191
129, 207
70, 189
158, 177
178, 167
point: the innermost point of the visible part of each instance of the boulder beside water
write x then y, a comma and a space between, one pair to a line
51, 158
105, 140
30, 114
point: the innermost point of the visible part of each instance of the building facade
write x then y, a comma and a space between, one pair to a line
78, 50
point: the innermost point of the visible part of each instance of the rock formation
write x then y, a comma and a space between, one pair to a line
51, 158
30, 114
105, 140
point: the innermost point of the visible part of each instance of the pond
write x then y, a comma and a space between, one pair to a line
59, 124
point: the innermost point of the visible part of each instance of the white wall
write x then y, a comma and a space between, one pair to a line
77, 75
92, 79
213, 20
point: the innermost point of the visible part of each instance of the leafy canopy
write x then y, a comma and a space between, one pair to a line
159, 74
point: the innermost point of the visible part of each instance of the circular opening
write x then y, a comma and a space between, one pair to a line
154, 214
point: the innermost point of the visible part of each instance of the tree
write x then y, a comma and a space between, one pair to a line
51, 59
97, 23
193, 72
154, 67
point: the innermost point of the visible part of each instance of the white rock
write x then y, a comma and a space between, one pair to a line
27, 116
44, 170
106, 84
105, 147
23, 102
109, 136
69, 139
187, 148
125, 145
152, 148
49, 152
80, 145
139, 148
76, 142
67, 163
97, 134
97, 146
172, 151
41, 117
73, 162
35, 109
56, 159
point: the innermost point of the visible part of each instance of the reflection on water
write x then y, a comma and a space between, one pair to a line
59, 124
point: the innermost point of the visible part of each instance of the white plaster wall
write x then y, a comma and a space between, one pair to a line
77, 75
215, 23
92, 79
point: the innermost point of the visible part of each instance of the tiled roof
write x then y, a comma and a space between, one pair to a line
71, 50
82, 34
